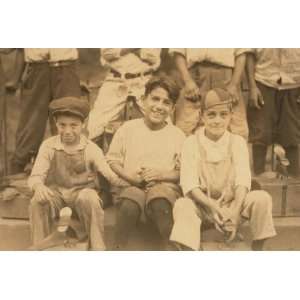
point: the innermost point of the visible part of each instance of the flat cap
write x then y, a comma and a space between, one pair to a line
70, 105
216, 96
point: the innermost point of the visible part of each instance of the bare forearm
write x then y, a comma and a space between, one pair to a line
171, 176
239, 198
181, 65
238, 70
199, 197
250, 69
119, 170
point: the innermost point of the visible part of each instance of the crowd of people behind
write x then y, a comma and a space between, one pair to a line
181, 161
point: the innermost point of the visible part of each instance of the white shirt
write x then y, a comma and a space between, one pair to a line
50, 54
215, 151
148, 59
220, 56
135, 146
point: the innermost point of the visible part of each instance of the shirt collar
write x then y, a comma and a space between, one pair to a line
58, 145
221, 142
215, 151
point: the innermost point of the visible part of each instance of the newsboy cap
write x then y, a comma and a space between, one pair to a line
70, 105
216, 96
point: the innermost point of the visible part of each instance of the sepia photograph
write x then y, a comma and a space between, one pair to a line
170, 171
150, 149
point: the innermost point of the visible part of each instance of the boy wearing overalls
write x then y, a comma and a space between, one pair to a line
216, 179
64, 174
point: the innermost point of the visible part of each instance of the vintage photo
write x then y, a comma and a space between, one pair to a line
150, 149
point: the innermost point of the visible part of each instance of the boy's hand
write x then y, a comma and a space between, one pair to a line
149, 174
234, 92
232, 225
42, 193
191, 91
136, 179
218, 217
255, 98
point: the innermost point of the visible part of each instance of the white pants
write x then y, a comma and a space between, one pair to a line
111, 101
257, 208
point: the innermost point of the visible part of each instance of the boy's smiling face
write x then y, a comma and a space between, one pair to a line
216, 120
69, 128
158, 106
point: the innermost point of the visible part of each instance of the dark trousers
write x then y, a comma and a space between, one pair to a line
41, 85
128, 215
278, 121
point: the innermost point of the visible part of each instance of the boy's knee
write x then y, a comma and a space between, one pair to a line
262, 199
160, 205
129, 208
37, 203
184, 206
88, 198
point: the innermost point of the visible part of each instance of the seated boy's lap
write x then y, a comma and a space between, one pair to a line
69, 197
143, 197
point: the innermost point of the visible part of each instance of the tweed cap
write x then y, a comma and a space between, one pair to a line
70, 105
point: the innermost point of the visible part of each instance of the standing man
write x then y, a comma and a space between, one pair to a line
145, 153
11, 68
202, 69
274, 112
129, 71
50, 73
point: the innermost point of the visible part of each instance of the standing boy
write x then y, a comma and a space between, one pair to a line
50, 73
145, 152
215, 178
274, 112
129, 71
203, 69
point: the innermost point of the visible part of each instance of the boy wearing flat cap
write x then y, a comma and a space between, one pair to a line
145, 152
215, 178
64, 174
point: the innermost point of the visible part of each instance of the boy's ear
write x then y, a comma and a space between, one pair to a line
173, 108
201, 115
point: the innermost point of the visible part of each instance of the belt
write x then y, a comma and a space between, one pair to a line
61, 63
129, 75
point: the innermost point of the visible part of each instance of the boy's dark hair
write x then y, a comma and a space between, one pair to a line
164, 82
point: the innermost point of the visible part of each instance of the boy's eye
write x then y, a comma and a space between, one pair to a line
224, 114
168, 102
211, 115
154, 98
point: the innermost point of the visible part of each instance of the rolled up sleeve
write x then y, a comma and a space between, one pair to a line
110, 54
189, 178
239, 51
151, 55
116, 152
181, 51
241, 162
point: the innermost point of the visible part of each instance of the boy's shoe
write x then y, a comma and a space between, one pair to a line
59, 236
